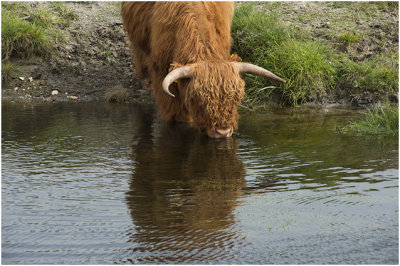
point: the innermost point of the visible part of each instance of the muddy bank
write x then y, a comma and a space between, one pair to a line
93, 63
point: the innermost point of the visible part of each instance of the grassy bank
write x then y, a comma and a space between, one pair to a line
30, 30
322, 49
291, 54
328, 61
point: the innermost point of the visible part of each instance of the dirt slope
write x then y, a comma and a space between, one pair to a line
93, 60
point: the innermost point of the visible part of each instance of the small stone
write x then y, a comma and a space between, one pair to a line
16, 88
73, 97
21, 78
54, 92
326, 25
30, 79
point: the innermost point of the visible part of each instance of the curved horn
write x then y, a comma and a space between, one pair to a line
179, 73
253, 69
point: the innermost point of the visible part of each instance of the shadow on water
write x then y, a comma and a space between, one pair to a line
182, 194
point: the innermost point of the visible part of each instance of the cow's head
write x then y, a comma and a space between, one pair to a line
212, 91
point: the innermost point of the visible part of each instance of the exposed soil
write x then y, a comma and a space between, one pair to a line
94, 61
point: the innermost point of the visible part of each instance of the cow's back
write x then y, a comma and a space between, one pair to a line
184, 32
136, 17
188, 32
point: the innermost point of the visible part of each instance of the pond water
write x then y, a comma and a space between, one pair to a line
97, 183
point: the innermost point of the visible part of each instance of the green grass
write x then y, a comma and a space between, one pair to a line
377, 74
312, 67
250, 29
306, 67
290, 53
349, 37
22, 39
381, 120
65, 16
31, 30
8, 71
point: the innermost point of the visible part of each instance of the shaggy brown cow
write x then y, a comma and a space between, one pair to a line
183, 49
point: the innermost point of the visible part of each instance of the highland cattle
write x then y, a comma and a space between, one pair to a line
182, 51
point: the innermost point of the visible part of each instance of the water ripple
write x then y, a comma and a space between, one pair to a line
110, 184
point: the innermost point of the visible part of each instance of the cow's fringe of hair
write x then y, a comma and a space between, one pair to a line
213, 94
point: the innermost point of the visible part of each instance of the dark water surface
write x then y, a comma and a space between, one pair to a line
102, 184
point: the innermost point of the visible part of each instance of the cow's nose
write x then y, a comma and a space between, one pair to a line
220, 133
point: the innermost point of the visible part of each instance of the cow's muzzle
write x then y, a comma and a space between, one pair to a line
219, 133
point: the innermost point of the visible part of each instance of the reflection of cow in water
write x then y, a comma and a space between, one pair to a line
182, 194
189, 42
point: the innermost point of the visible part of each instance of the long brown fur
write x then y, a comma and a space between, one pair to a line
166, 35
212, 99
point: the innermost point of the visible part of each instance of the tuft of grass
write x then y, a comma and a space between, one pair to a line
349, 37
22, 39
291, 54
8, 71
306, 65
64, 16
30, 30
381, 120
377, 74
255, 33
